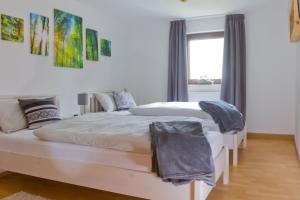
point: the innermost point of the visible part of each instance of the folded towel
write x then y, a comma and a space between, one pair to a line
181, 153
225, 115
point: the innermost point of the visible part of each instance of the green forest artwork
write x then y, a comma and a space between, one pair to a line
68, 47
105, 47
12, 28
39, 35
92, 45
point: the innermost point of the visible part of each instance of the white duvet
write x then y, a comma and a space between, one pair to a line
119, 132
187, 109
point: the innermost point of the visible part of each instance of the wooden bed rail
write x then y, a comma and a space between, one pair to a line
112, 179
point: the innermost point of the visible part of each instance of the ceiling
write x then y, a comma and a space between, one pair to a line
176, 8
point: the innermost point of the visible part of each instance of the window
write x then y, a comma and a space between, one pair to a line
205, 56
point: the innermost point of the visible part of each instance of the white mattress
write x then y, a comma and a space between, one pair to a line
25, 143
107, 130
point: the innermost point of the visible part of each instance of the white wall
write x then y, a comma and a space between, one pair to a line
271, 68
205, 24
21, 72
147, 76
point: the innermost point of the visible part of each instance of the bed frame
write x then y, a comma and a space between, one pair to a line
112, 179
233, 142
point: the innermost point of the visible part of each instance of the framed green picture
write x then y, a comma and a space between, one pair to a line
92, 50
105, 47
12, 29
68, 41
39, 35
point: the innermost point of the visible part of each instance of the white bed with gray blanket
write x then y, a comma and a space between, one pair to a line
123, 132
117, 131
192, 109
104, 151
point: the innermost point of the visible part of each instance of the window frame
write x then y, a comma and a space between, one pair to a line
201, 36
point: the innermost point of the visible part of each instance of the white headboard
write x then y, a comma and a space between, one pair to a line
95, 105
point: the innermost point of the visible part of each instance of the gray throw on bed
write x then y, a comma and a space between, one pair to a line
224, 114
181, 153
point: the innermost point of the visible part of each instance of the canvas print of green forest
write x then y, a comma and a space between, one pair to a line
105, 47
68, 43
12, 28
39, 35
92, 45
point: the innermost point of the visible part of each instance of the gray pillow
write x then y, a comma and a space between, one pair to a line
39, 112
124, 100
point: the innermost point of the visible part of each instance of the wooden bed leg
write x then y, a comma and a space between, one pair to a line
245, 137
245, 140
226, 167
235, 150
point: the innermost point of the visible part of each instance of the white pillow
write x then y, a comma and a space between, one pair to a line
186, 109
12, 117
107, 102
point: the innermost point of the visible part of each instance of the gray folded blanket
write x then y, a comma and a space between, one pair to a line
181, 153
225, 115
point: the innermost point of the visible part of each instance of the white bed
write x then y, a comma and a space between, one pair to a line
25, 143
191, 109
188, 109
105, 169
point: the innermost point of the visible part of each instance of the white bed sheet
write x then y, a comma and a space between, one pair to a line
25, 143
187, 109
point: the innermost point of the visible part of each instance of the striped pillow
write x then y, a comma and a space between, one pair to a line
39, 112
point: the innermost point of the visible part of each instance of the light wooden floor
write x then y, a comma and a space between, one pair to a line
268, 170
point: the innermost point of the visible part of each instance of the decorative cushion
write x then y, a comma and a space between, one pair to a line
11, 117
124, 100
107, 101
39, 112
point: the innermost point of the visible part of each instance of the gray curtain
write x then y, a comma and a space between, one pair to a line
177, 77
233, 88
